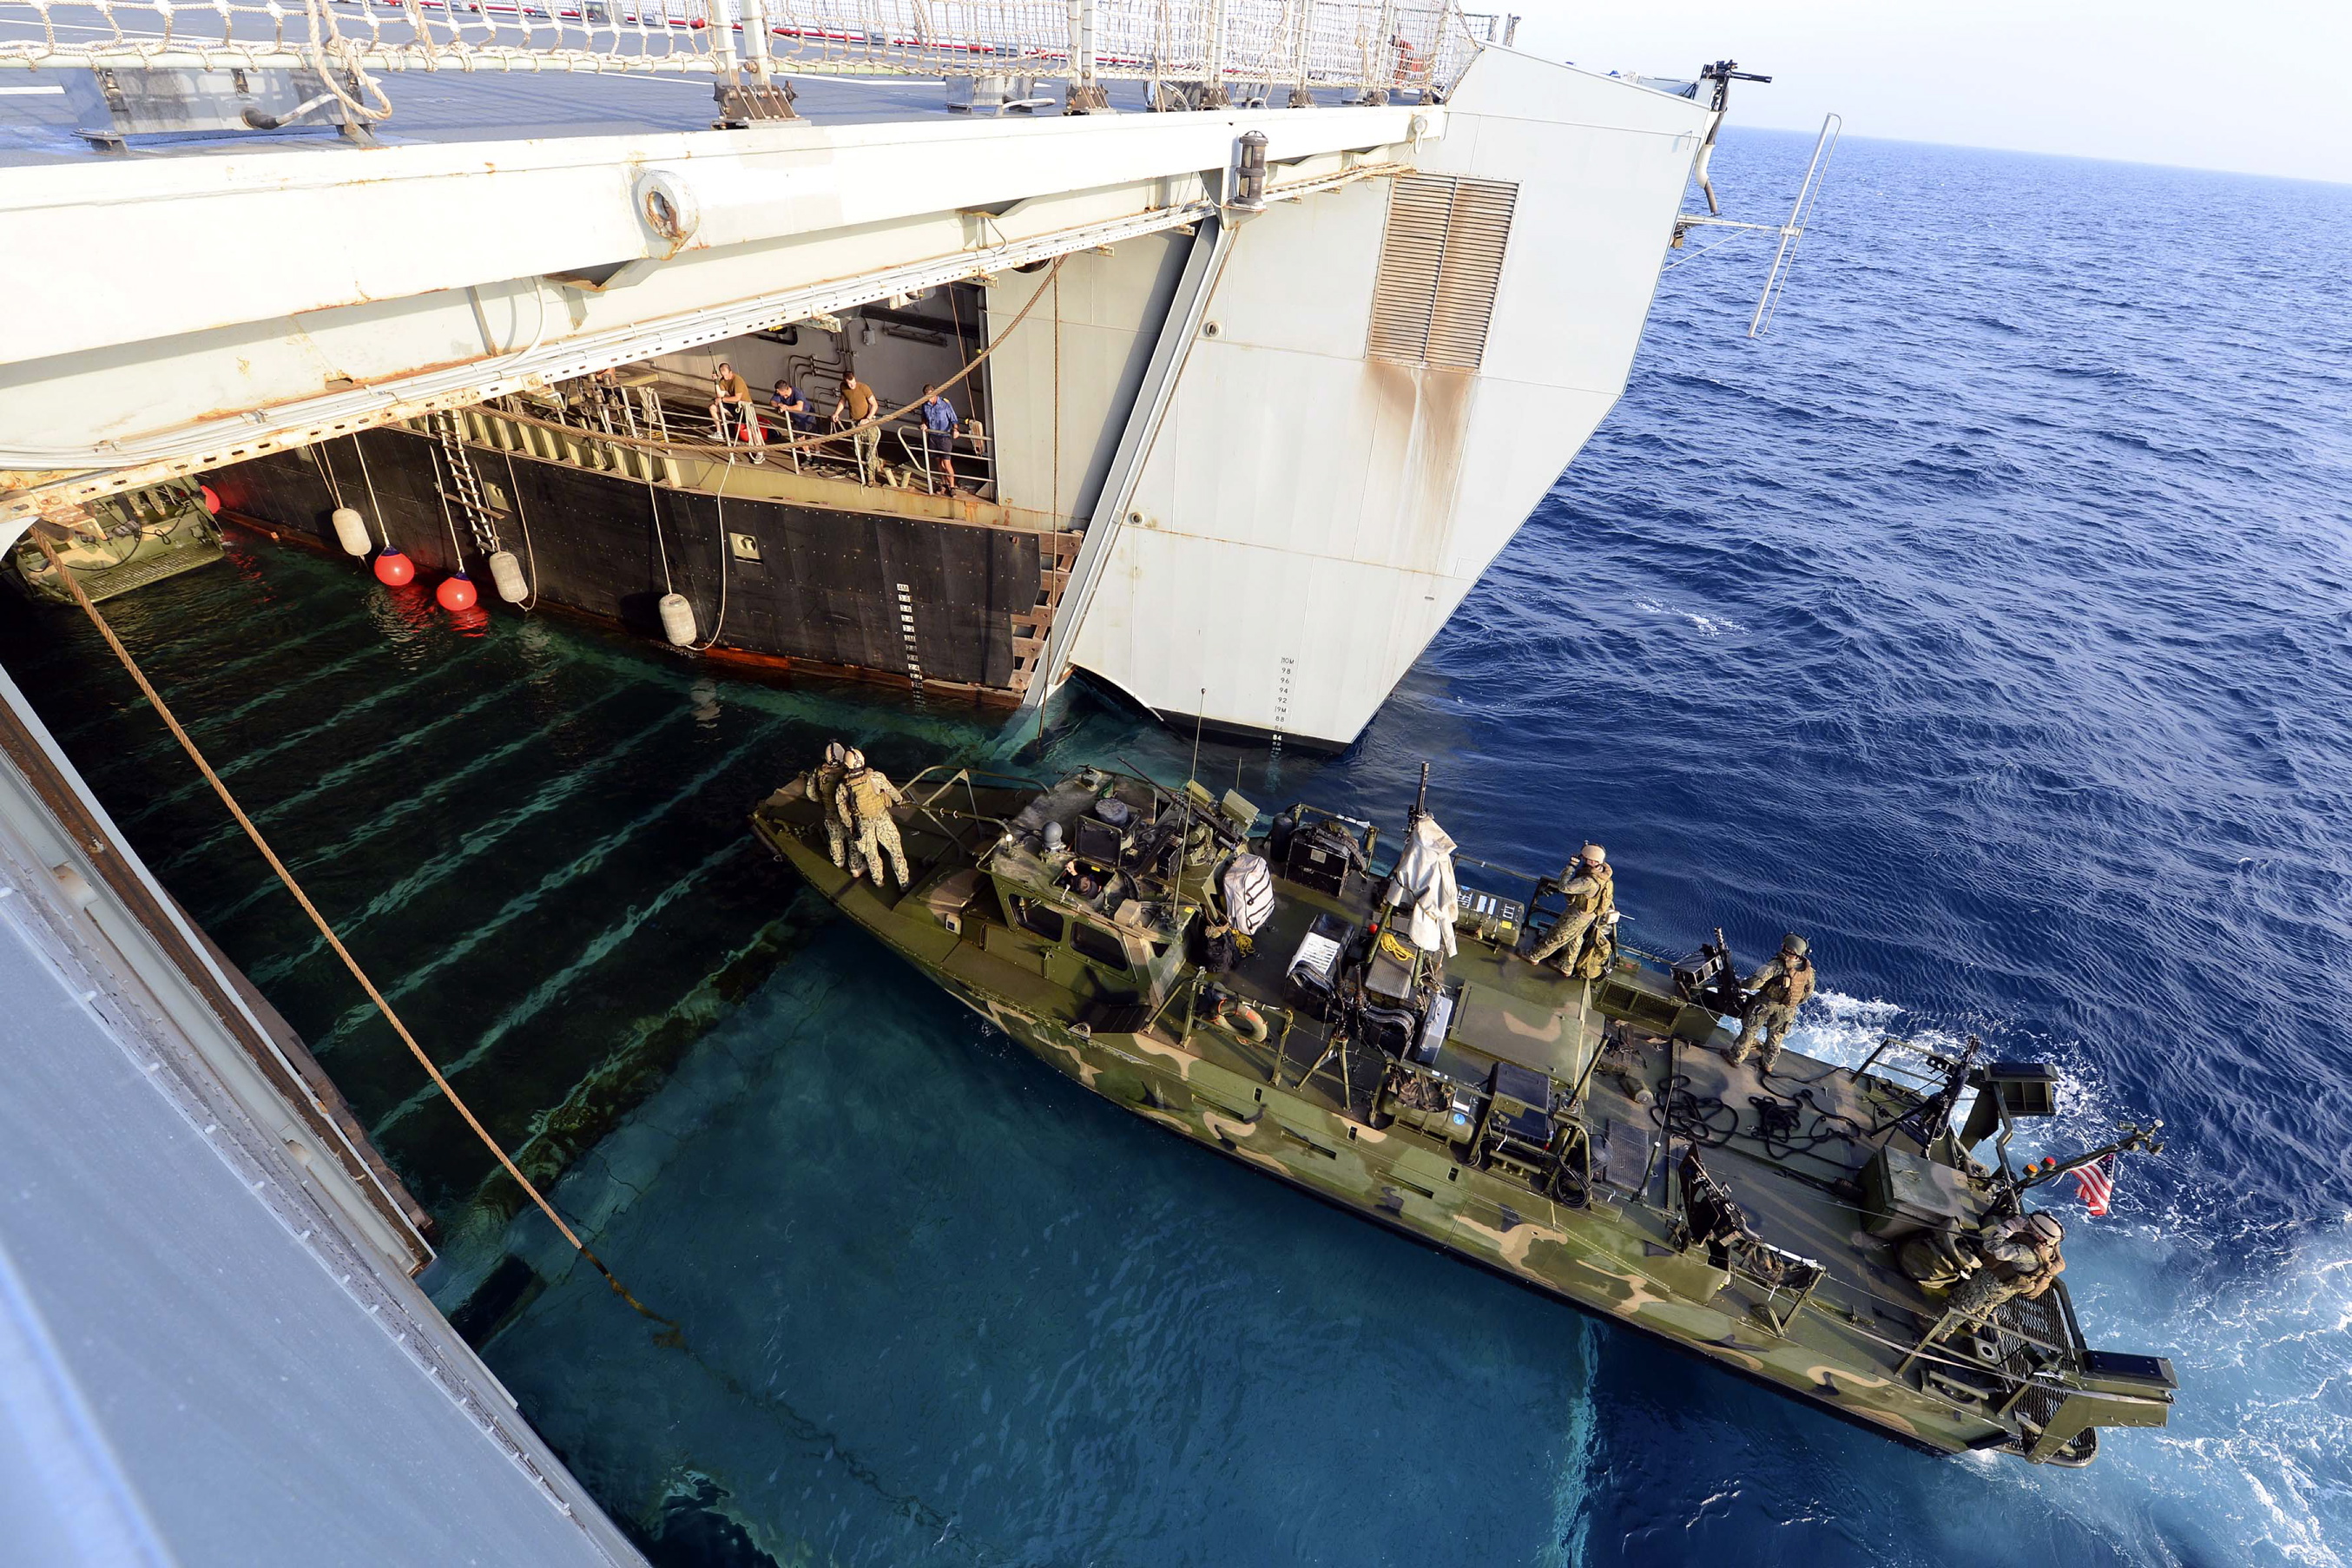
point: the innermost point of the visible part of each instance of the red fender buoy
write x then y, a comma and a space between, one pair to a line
212, 501
393, 569
456, 593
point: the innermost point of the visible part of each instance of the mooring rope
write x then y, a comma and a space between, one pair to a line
375, 505
326, 931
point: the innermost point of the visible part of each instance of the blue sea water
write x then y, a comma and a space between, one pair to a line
1987, 622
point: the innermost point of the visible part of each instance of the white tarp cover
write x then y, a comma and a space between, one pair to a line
1425, 877
1249, 893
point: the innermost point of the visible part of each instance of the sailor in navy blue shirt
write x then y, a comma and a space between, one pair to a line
939, 427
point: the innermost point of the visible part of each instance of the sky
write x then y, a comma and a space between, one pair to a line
2251, 86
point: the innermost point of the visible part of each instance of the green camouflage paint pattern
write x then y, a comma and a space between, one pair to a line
1616, 1256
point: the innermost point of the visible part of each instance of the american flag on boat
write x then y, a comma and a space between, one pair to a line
2095, 1184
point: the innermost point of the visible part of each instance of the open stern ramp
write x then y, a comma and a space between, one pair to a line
1384, 381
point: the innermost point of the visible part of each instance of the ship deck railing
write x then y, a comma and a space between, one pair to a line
638, 440
1245, 49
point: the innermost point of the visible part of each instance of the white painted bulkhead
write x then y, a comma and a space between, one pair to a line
1309, 516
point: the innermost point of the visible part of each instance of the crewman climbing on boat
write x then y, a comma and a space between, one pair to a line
1780, 985
864, 798
824, 788
1588, 885
2021, 1259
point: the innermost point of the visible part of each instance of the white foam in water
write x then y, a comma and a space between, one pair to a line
2251, 1468
1708, 626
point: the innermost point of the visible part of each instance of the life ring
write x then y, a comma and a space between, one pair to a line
1245, 1024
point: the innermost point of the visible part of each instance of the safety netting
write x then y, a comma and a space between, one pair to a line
1250, 48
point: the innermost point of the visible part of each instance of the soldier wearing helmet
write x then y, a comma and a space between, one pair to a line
2020, 1258
865, 797
825, 786
1780, 986
1588, 885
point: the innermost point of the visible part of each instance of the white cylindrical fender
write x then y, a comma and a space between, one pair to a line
351, 532
676, 619
507, 573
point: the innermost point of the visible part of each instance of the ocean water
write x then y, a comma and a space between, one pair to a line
1987, 623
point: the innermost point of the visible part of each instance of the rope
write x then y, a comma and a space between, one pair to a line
330, 49
326, 931
655, 497
456, 551
531, 603
724, 551
327, 470
375, 505
1056, 513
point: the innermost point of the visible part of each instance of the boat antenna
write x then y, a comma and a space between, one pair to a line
1421, 799
1199, 714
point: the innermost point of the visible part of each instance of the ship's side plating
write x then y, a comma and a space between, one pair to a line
1354, 431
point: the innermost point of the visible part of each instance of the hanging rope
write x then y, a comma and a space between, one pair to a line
654, 495
327, 471
448, 523
531, 603
336, 942
725, 550
384, 535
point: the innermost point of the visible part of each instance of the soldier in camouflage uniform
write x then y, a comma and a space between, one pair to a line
1600, 948
1588, 885
825, 785
1780, 985
864, 798
2021, 1259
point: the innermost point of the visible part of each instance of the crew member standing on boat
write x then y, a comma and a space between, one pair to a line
857, 406
865, 797
1591, 889
2021, 1259
824, 788
731, 410
1781, 985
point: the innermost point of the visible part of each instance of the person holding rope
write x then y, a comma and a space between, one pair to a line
730, 406
856, 409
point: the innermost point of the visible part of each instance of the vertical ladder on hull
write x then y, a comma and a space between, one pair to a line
465, 482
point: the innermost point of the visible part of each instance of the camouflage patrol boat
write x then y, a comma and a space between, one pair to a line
1370, 1033
118, 543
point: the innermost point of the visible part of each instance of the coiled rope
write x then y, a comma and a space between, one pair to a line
188, 744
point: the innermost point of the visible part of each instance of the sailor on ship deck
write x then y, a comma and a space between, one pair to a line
730, 407
856, 407
792, 409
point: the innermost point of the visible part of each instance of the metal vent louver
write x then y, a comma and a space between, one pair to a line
1440, 262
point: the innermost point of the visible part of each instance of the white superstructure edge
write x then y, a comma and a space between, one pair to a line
1311, 512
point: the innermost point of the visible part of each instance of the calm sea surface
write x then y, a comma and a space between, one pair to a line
1989, 622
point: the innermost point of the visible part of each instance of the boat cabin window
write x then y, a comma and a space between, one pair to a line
1102, 946
1047, 922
